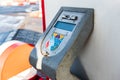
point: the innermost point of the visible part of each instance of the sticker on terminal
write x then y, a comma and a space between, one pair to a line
54, 41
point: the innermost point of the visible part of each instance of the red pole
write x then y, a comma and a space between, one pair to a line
43, 16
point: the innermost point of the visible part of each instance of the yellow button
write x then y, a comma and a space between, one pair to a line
55, 34
61, 36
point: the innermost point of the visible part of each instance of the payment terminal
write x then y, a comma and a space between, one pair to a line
56, 51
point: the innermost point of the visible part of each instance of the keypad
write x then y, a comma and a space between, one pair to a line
54, 42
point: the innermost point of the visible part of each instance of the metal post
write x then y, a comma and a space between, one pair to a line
43, 15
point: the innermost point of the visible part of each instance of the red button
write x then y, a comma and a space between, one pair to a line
47, 44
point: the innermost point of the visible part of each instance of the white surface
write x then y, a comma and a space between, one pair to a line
25, 75
101, 55
10, 22
5, 28
5, 45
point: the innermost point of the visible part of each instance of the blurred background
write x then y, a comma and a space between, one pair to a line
29, 9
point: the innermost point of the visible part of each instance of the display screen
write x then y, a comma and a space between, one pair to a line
65, 26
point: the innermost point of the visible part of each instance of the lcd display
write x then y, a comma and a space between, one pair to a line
65, 26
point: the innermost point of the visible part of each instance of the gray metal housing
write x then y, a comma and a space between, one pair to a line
58, 67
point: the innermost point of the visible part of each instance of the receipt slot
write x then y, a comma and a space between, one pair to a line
56, 51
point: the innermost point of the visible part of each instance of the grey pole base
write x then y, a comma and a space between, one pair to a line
78, 70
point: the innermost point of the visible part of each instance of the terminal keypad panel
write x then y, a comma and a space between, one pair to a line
61, 32
54, 41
